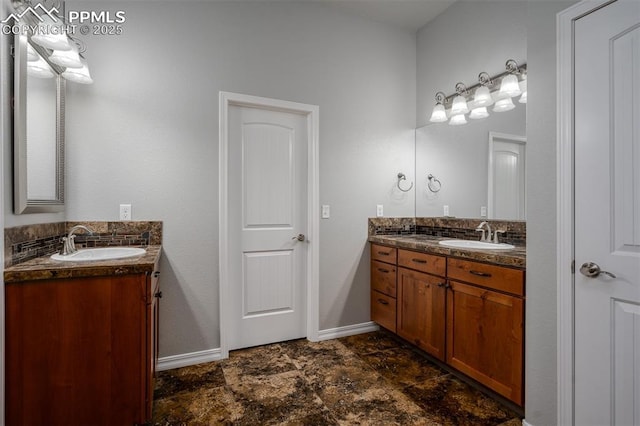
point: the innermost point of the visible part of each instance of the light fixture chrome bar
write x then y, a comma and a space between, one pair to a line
484, 79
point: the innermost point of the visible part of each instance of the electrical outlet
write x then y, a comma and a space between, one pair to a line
326, 211
445, 211
483, 211
125, 211
379, 210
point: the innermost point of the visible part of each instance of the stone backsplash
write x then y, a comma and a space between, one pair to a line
516, 231
22, 243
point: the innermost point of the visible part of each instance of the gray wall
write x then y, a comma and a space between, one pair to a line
468, 38
146, 133
477, 41
541, 348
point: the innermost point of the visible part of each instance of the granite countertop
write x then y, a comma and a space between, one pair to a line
516, 258
44, 268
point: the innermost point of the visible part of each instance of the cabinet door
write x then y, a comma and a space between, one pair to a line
421, 310
484, 337
383, 310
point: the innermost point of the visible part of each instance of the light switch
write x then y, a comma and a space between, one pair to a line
326, 211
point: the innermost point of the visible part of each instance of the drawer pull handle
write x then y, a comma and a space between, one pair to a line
384, 271
480, 274
383, 302
384, 253
418, 261
441, 285
156, 274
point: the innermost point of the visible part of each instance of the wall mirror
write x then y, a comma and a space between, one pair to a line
475, 177
38, 144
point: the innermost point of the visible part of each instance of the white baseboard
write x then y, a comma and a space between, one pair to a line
525, 423
193, 358
347, 330
185, 360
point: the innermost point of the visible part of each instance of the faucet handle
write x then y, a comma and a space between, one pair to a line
495, 235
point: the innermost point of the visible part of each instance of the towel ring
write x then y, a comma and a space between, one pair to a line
401, 177
434, 184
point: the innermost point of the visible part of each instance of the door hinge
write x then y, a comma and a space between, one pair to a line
573, 266
13, 51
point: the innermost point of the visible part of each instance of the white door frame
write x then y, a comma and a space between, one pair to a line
564, 203
311, 112
522, 140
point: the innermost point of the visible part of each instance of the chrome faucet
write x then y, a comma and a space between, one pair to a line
68, 244
487, 236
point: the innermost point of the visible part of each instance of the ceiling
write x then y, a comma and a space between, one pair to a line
408, 14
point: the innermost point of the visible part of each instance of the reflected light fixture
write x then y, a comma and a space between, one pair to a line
523, 87
51, 36
457, 120
439, 114
32, 55
478, 113
504, 104
78, 75
66, 58
39, 69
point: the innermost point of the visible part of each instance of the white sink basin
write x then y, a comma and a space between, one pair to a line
466, 244
101, 253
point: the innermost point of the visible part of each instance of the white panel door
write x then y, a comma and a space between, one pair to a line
607, 216
507, 177
267, 181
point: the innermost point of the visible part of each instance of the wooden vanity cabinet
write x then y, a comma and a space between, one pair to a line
81, 350
383, 286
421, 310
485, 325
468, 314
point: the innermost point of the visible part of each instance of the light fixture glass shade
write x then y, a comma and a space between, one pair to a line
459, 106
39, 69
457, 120
66, 58
505, 104
439, 114
482, 97
32, 55
523, 87
51, 36
478, 113
523, 98
78, 75
510, 86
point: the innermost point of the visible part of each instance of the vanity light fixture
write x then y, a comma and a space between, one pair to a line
504, 104
78, 75
50, 35
39, 68
439, 114
32, 55
494, 90
523, 87
66, 58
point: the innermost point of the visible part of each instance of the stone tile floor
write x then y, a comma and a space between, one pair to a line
368, 379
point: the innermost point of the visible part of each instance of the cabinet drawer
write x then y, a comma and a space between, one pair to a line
383, 310
383, 253
422, 262
383, 278
490, 276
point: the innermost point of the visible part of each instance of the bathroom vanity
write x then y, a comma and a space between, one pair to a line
463, 307
82, 340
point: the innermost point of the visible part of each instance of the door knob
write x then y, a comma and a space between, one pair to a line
299, 237
592, 270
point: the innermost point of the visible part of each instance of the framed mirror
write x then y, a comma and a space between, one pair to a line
38, 139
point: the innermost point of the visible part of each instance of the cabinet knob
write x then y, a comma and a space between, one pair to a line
158, 295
